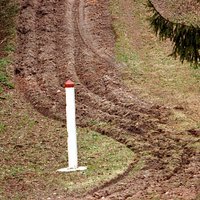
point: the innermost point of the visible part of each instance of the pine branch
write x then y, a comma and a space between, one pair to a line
185, 38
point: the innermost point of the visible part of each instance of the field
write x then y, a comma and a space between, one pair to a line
138, 110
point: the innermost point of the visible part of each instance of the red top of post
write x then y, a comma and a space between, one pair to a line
69, 84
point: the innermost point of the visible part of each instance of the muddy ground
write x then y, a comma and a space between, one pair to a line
73, 39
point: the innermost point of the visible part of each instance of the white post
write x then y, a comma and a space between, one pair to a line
71, 129
71, 125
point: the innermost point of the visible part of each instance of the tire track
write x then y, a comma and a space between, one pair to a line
89, 41
111, 75
106, 110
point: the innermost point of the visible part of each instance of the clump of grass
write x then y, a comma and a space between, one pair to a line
4, 79
27, 121
9, 48
2, 127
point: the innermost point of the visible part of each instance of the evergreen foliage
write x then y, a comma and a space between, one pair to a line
185, 38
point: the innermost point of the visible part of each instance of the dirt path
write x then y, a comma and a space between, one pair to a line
73, 39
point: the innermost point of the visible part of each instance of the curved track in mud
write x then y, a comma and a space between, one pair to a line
73, 39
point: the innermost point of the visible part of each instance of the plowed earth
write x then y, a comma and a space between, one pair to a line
73, 39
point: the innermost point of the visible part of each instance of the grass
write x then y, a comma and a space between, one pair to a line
104, 157
4, 78
33, 147
9, 47
4, 63
8, 12
150, 70
195, 145
2, 127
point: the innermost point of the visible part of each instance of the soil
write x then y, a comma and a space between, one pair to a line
73, 39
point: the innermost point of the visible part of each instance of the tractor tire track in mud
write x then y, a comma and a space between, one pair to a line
73, 39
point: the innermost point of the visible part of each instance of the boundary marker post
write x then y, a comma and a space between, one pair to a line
71, 129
